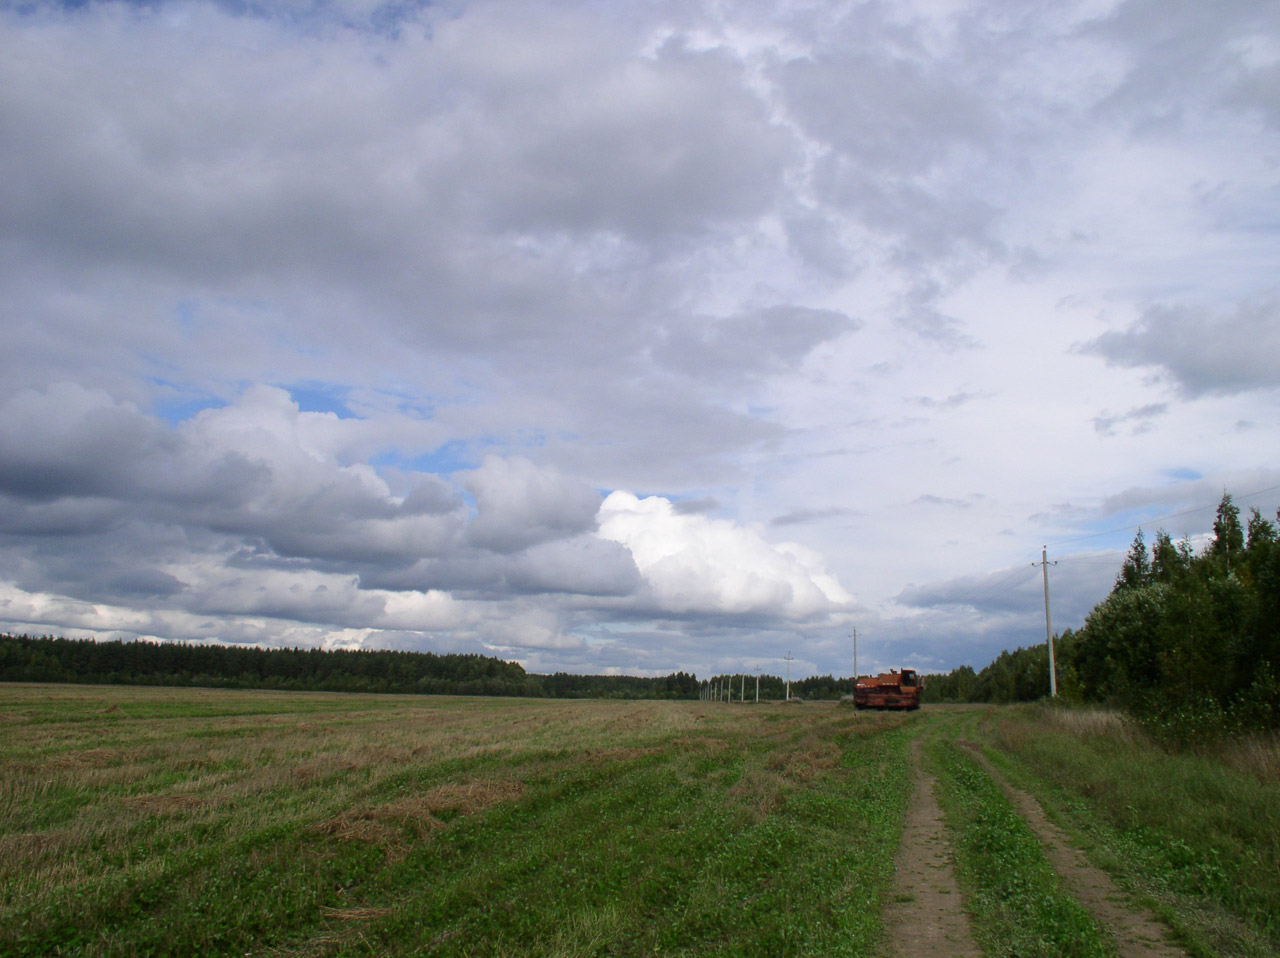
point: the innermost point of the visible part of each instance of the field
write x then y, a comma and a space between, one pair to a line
170, 822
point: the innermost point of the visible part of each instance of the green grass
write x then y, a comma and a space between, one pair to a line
1018, 905
160, 822
1197, 836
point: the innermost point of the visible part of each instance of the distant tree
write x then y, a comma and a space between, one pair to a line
1228, 538
1136, 570
1167, 559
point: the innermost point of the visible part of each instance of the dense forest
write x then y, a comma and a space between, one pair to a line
1185, 640
48, 659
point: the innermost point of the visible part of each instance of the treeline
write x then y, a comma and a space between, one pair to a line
1189, 641
563, 685
49, 659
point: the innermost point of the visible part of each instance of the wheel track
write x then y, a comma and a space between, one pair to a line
1136, 932
925, 916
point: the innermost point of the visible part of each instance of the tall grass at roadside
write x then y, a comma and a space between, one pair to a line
1018, 904
160, 822
1197, 834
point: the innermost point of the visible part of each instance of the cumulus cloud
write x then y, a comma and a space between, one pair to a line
695, 564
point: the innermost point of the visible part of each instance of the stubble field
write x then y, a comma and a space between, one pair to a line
170, 822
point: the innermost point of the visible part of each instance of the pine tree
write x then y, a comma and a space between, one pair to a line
1136, 570
1228, 537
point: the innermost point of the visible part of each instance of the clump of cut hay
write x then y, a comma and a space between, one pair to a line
418, 815
26, 846
809, 759
309, 772
355, 914
760, 792
470, 797
161, 804
93, 758
607, 756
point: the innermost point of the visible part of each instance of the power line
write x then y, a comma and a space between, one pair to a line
1153, 521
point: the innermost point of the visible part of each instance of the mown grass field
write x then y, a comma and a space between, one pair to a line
154, 822
172, 822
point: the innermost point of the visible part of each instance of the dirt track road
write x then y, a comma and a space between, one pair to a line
1136, 932
925, 915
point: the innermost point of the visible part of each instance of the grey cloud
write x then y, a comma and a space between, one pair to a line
896, 112
519, 505
1077, 583
931, 500
921, 317
768, 340
1186, 58
585, 565
801, 516
145, 582
1202, 353
70, 441
954, 401
700, 506
648, 147
63, 516
1106, 423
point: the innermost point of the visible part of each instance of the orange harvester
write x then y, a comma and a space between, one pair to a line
888, 690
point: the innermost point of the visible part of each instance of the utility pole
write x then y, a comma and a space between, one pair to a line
855, 659
742, 697
1044, 564
757, 685
788, 675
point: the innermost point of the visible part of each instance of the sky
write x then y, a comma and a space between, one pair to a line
627, 338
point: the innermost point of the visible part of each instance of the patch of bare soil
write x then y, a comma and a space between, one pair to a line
1137, 933
925, 915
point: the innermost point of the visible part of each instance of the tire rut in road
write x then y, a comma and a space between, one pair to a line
1137, 933
925, 915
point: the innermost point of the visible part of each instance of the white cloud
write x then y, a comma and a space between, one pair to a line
695, 564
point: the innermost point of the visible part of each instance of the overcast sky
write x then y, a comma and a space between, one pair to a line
627, 336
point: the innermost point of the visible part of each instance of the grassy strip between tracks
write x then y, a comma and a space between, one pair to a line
1196, 836
1018, 905
162, 822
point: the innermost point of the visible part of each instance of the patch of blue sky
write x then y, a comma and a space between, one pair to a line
180, 409
1184, 474
452, 457
175, 402
322, 397
1118, 530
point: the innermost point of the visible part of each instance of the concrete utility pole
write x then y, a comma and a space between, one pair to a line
757, 685
788, 675
1044, 564
742, 698
855, 659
